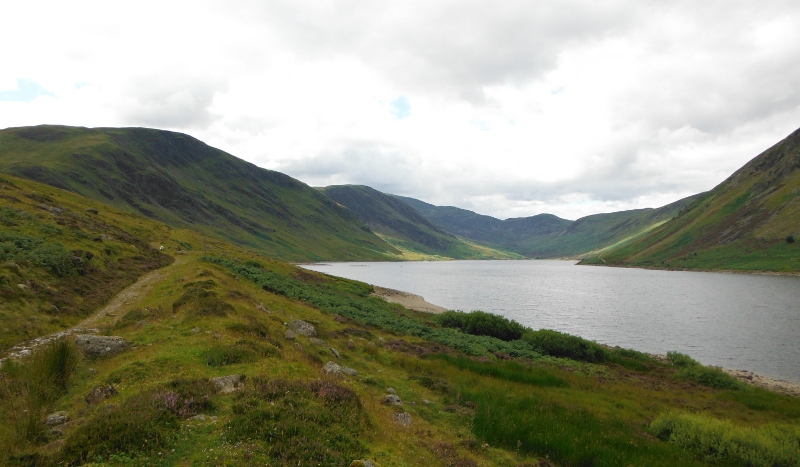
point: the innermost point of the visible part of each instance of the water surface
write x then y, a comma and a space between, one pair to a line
739, 321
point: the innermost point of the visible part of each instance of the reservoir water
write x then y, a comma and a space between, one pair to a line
738, 321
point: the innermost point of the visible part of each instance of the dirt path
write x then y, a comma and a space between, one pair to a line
126, 297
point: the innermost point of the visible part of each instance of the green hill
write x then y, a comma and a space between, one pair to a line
404, 227
748, 222
546, 235
185, 183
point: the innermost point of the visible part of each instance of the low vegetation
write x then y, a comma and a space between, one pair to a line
475, 389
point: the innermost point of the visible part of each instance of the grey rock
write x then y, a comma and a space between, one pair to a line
349, 371
371, 344
335, 352
290, 335
195, 330
381, 339
402, 419
100, 346
99, 394
228, 384
426, 401
362, 463
391, 391
332, 368
316, 341
56, 419
198, 418
351, 344
392, 399
303, 328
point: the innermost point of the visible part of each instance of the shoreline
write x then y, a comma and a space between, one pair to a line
408, 300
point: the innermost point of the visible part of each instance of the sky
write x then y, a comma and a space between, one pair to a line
511, 108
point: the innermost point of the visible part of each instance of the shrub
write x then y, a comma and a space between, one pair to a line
297, 423
691, 370
717, 440
220, 355
202, 302
480, 323
790, 239
559, 344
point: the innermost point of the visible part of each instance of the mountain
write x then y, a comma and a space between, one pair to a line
404, 227
748, 222
546, 235
185, 183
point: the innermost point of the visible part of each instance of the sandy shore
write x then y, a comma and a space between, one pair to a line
776, 385
408, 300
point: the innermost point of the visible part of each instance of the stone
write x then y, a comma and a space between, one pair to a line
228, 384
195, 330
403, 419
303, 328
332, 368
349, 371
392, 399
362, 463
335, 352
381, 339
426, 401
100, 346
351, 344
100, 393
198, 418
290, 335
391, 391
56, 419
371, 344
316, 341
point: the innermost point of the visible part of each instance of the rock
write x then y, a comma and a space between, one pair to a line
198, 418
381, 339
195, 330
392, 399
22, 286
303, 328
99, 394
362, 463
426, 401
92, 211
290, 335
391, 391
332, 368
349, 371
56, 419
402, 419
371, 344
351, 344
260, 306
92, 371
316, 341
228, 384
100, 346
140, 324
335, 352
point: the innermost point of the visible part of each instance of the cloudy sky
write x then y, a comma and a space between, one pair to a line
508, 108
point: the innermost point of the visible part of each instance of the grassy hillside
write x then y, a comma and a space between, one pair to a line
62, 256
185, 183
545, 235
404, 227
748, 222
472, 389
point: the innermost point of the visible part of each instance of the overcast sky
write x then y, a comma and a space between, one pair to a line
509, 108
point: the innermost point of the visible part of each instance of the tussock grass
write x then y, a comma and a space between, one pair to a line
715, 440
560, 344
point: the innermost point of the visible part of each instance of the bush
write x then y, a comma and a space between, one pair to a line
220, 355
559, 344
790, 239
691, 370
721, 441
202, 303
480, 323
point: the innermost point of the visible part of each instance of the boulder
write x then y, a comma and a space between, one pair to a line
100, 346
303, 328
349, 371
290, 335
391, 391
228, 384
99, 394
316, 341
332, 368
392, 399
335, 352
56, 419
403, 419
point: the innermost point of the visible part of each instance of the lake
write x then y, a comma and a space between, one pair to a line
738, 321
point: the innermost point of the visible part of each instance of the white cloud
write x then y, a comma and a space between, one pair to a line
513, 109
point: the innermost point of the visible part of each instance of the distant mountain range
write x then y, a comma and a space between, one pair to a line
747, 222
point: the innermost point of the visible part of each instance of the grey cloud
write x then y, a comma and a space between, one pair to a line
171, 101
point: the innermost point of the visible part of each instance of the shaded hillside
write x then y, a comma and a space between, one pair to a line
183, 182
62, 256
402, 225
545, 235
747, 222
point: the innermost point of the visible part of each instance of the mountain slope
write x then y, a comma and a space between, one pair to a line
183, 182
545, 235
402, 226
747, 222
